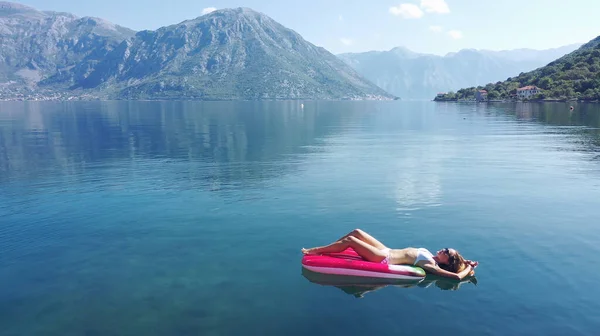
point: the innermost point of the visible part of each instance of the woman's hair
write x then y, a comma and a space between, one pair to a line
456, 263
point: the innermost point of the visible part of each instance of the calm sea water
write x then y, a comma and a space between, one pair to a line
184, 218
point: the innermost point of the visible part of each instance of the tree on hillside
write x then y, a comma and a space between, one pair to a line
573, 76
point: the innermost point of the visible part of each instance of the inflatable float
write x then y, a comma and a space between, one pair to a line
350, 263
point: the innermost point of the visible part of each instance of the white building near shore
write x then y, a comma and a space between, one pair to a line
528, 91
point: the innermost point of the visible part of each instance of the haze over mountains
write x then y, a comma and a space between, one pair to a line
227, 54
575, 76
420, 76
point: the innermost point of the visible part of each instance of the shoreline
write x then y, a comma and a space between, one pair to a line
200, 100
518, 101
106, 98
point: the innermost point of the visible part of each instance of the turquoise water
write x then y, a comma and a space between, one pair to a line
184, 218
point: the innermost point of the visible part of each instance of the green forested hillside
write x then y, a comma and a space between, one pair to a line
573, 76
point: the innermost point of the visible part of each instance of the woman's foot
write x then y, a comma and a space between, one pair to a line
313, 250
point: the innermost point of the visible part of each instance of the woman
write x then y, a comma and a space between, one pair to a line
447, 262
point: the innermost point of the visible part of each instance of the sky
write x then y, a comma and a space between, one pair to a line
427, 26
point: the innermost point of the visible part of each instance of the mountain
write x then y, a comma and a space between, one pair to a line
36, 44
413, 75
524, 54
227, 54
573, 76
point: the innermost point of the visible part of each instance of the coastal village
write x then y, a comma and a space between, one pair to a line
524, 93
41, 95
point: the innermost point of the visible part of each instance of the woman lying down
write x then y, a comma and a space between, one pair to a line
446, 262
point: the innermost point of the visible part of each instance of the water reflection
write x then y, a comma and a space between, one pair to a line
582, 124
558, 114
418, 174
360, 286
227, 142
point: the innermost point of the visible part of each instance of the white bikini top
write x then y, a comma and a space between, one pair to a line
424, 254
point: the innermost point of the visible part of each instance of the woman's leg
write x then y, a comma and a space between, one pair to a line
367, 238
367, 251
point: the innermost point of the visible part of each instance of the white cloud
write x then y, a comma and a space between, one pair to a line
340, 18
346, 41
435, 6
455, 34
407, 11
208, 10
436, 29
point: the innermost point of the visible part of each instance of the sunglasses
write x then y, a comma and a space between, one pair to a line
447, 252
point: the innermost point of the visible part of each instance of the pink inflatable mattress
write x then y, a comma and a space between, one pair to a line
350, 263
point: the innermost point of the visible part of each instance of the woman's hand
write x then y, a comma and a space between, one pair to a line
472, 263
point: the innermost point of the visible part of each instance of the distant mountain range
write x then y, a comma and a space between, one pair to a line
227, 54
574, 76
421, 76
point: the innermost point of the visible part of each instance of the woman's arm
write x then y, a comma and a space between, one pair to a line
462, 274
435, 269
